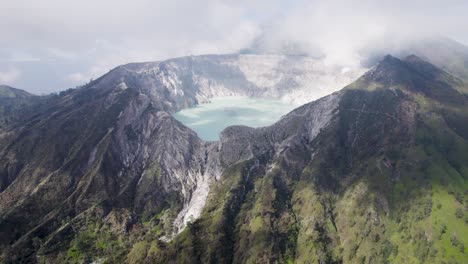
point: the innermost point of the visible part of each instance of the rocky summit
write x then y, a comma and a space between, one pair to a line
376, 172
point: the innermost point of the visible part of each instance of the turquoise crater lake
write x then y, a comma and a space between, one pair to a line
209, 119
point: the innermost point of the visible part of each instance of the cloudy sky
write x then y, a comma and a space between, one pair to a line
52, 45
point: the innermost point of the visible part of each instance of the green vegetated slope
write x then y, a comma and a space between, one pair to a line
388, 183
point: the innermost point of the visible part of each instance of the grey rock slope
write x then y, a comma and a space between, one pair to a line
196, 79
113, 144
92, 146
301, 126
112, 148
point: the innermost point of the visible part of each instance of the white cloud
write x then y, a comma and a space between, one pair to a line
341, 30
77, 77
9, 76
161, 28
88, 37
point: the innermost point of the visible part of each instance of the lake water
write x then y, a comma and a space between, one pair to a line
208, 120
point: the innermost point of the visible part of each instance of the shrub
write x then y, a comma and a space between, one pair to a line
454, 240
459, 197
459, 213
138, 252
443, 228
427, 205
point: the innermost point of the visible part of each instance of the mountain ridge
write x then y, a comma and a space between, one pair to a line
371, 133
123, 184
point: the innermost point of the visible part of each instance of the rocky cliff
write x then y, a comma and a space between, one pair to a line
104, 173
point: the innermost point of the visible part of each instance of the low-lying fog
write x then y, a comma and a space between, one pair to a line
208, 120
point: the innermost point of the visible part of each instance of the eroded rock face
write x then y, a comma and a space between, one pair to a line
238, 143
186, 81
113, 143
183, 82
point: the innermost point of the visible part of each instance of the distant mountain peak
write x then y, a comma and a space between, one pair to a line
10, 92
413, 58
414, 75
390, 71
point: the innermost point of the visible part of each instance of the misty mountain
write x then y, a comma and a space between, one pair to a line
448, 54
373, 173
445, 53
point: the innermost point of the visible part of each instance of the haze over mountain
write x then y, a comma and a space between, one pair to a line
48, 46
